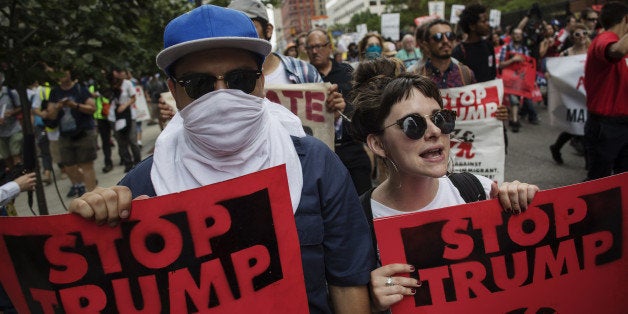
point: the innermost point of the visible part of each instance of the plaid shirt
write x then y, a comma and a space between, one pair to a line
452, 77
299, 71
507, 51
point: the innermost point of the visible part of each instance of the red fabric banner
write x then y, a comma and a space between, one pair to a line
565, 254
230, 247
520, 78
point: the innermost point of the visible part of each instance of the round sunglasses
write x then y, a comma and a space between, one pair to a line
199, 84
414, 125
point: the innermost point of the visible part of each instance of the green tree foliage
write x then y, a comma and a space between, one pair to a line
88, 35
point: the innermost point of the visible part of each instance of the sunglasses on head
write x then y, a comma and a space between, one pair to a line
438, 37
580, 34
414, 125
199, 84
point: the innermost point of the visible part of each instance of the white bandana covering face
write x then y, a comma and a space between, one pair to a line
223, 135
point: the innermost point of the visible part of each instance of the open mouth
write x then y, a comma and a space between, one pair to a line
432, 153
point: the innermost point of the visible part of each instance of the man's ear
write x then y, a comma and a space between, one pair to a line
375, 144
170, 83
269, 31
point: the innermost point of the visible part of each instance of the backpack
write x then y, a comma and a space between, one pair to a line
468, 185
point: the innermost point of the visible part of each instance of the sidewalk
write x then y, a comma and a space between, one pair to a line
149, 135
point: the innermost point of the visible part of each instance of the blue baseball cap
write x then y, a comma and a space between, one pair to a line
210, 27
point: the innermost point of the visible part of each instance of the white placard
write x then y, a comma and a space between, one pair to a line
567, 99
495, 18
456, 10
390, 26
436, 8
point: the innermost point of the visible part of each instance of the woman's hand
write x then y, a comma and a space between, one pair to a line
388, 289
514, 196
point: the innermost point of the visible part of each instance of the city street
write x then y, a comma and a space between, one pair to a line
528, 160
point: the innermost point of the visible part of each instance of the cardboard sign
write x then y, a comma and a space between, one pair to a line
567, 99
140, 106
230, 247
495, 18
478, 140
307, 101
456, 10
436, 8
390, 26
567, 253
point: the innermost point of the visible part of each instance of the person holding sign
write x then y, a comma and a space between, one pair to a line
581, 45
224, 129
402, 120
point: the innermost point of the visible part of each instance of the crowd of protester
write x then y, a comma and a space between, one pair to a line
385, 99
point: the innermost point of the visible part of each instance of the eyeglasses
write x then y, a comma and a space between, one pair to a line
438, 37
199, 84
317, 47
580, 34
414, 125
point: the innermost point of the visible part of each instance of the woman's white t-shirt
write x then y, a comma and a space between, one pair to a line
447, 195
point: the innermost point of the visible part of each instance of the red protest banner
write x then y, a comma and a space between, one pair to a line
565, 254
230, 247
520, 77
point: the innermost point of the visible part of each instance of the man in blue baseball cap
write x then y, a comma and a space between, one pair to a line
213, 58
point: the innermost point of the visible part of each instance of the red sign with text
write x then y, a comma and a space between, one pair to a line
230, 247
565, 254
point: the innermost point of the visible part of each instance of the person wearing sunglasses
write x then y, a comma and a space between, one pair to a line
581, 44
403, 122
439, 38
224, 129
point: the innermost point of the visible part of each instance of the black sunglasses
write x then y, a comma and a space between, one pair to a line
414, 125
438, 37
199, 84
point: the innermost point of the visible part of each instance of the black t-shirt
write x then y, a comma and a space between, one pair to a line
83, 121
480, 57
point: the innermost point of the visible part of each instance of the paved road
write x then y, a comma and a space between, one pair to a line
528, 160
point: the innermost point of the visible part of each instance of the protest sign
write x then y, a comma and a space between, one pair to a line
495, 18
565, 254
520, 77
307, 101
567, 99
478, 141
231, 247
436, 8
456, 10
141, 106
390, 26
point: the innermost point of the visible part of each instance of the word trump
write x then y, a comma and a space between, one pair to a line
565, 252
472, 103
194, 251
491, 251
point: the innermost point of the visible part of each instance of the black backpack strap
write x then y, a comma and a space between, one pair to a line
365, 200
469, 185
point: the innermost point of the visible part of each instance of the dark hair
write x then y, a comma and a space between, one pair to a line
378, 95
263, 23
362, 43
369, 80
612, 13
470, 16
426, 32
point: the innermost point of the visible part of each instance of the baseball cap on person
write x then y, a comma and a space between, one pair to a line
209, 27
252, 8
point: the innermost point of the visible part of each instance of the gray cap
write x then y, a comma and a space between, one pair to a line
252, 8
